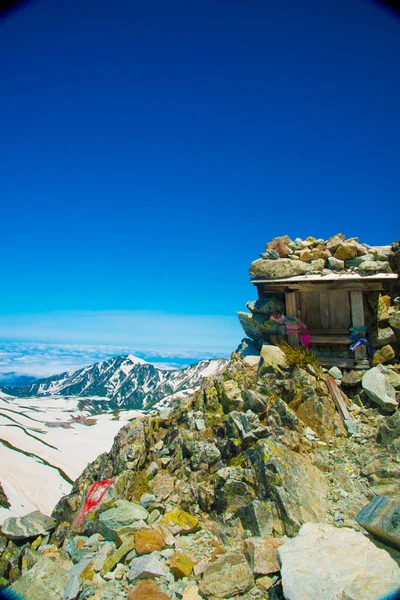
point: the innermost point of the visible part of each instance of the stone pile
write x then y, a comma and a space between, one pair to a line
284, 257
234, 495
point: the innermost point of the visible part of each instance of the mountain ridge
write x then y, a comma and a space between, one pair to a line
121, 382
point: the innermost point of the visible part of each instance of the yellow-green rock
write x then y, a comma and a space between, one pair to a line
383, 355
181, 565
179, 521
117, 556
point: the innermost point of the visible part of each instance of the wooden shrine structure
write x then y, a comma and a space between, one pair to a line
329, 305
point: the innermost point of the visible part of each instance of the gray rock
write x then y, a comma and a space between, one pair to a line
326, 563
376, 266
273, 357
389, 430
390, 375
336, 373
335, 263
45, 580
262, 554
252, 328
199, 424
234, 488
266, 306
30, 525
120, 516
385, 335
147, 500
146, 567
227, 576
379, 390
277, 269
203, 453
254, 401
381, 518
394, 322
105, 550
297, 487
257, 517
75, 582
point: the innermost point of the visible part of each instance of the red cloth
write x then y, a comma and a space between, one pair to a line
93, 498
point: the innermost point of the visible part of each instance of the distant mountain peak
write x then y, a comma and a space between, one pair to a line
136, 360
121, 382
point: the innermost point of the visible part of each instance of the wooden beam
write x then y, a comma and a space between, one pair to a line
337, 397
291, 311
357, 320
327, 340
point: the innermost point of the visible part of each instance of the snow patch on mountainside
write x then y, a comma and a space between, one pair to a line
43, 447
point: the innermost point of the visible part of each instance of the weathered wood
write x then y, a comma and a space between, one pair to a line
337, 397
357, 320
271, 286
348, 363
291, 311
327, 340
329, 331
324, 309
339, 309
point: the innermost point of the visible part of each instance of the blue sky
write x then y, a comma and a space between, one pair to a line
149, 150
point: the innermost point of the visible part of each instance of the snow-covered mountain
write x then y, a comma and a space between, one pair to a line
122, 382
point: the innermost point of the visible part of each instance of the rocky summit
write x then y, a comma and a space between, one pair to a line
277, 479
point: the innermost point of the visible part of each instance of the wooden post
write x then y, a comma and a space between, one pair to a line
291, 311
357, 320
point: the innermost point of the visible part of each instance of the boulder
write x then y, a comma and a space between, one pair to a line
383, 355
336, 373
179, 521
234, 488
180, 565
374, 266
298, 489
346, 250
390, 375
389, 430
285, 267
123, 515
203, 453
147, 541
251, 327
254, 401
30, 525
114, 558
379, 390
273, 357
394, 322
45, 580
262, 554
352, 378
381, 518
268, 305
325, 562
227, 576
146, 567
147, 589
384, 335
191, 593
258, 517
335, 241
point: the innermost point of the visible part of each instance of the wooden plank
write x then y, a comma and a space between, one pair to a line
339, 308
272, 286
291, 311
324, 309
357, 320
302, 306
330, 331
337, 397
348, 363
334, 340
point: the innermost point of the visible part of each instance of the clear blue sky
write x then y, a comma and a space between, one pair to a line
150, 149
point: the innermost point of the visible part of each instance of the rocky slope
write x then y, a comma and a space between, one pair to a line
123, 382
249, 490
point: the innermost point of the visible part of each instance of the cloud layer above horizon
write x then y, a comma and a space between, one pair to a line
44, 344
